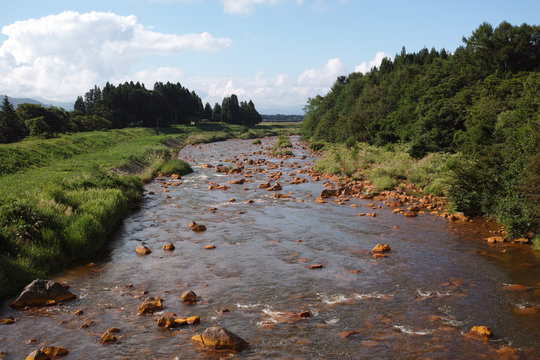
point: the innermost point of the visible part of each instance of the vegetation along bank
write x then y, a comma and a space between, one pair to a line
464, 124
61, 198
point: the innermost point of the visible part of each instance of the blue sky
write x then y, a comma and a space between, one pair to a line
275, 52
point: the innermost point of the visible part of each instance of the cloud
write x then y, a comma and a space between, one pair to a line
375, 62
61, 56
323, 76
242, 6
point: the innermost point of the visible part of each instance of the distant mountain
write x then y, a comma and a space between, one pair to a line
43, 102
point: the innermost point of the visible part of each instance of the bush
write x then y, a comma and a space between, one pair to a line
282, 141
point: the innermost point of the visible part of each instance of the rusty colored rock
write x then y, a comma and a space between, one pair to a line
480, 332
167, 322
276, 187
379, 255
189, 296
515, 287
496, 239
196, 227
114, 330
168, 247
410, 213
79, 312
319, 200
236, 182
37, 355
192, 320
526, 310
55, 351
209, 247
316, 266
264, 185
7, 321
107, 339
346, 334
381, 248
42, 293
219, 338
150, 305
143, 250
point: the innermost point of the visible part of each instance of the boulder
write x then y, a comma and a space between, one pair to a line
381, 248
326, 193
167, 322
480, 332
37, 355
196, 227
143, 250
150, 305
55, 351
219, 338
168, 247
189, 296
42, 293
107, 338
496, 239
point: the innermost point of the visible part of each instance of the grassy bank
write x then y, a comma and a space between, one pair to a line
390, 167
61, 198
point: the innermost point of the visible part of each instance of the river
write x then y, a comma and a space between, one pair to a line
438, 281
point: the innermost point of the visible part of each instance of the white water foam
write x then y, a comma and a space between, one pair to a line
407, 330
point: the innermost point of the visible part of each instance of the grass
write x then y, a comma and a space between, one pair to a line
384, 167
282, 142
60, 199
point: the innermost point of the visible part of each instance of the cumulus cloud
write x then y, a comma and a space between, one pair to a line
242, 6
61, 56
375, 62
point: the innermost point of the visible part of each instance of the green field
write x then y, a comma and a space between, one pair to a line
61, 198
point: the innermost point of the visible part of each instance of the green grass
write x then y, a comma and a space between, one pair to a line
282, 142
384, 167
61, 198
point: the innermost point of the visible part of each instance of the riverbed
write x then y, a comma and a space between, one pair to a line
439, 279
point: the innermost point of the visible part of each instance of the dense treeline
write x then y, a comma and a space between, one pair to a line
283, 118
126, 105
482, 101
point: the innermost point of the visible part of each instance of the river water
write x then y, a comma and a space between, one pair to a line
439, 280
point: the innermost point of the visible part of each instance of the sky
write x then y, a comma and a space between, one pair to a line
277, 53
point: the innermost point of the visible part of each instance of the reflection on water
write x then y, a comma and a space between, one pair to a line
438, 281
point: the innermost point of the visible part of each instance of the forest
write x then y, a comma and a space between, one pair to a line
481, 101
126, 105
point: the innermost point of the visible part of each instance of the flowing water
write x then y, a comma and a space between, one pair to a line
439, 280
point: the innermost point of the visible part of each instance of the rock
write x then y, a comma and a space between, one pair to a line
522, 240
167, 322
189, 296
209, 247
508, 353
37, 355
346, 334
114, 330
319, 200
276, 187
54, 351
394, 203
168, 247
219, 338
381, 248
143, 250
192, 320
515, 287
410, 213
326, 193
379, 255
317, 266
79, 312
480, 332
496, 239
7, 321
150, 305
41, 293
526, 310
196, 227
107, 339
236, 182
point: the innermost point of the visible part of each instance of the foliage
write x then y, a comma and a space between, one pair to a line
482, 102
283, 141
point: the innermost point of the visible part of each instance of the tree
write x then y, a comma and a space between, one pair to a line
208, 111
216, 113
11, 126
79, 106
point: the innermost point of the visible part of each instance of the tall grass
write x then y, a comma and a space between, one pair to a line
384, 167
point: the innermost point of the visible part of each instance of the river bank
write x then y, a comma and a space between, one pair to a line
61, 198
269, 254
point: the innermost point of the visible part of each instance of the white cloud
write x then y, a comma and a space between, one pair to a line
61, 56
375, 62
324, 76
242, 6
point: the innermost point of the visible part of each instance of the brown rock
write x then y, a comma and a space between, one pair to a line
480, 332
526, 310
410, 213
379, 255
143, 250
114, 330
168, 247
189, 296
79, 312
192, 320
346, 334
37, 355
496, 239
55, 351
41, 293
515, 287
236, 182
326, 193
317, 266
107, 339
522, 240
276, 187
381, 248
150, 305
196, 227
167, 322
508, 353
209, 247
319, 200
264, 185
7, 321
219, 338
